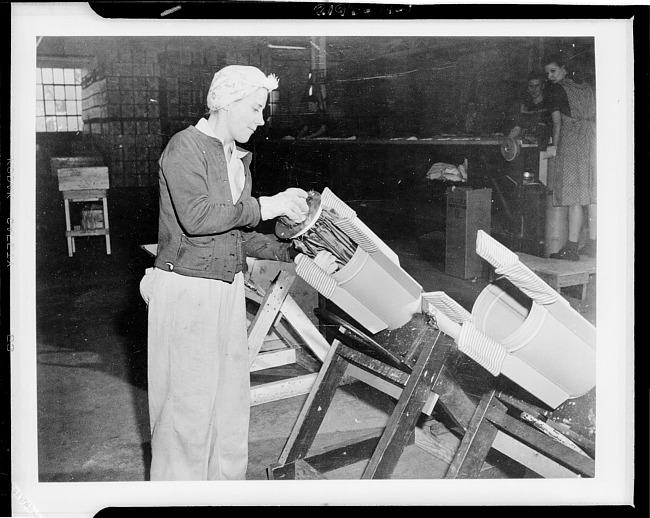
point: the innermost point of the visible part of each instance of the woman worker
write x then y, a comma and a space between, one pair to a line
198, 378
533, 118
573, 170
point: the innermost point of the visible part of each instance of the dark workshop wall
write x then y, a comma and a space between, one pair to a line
401, 87
138, 91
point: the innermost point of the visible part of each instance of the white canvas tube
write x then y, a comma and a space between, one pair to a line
443, 322
507, 263
329, 199
352, 230
329, 288
487, 352
315, 276
354, 227
528, 282
444, 303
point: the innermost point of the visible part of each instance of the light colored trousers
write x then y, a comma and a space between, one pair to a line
199, 383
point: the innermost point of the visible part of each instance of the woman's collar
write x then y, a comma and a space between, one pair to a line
204, 127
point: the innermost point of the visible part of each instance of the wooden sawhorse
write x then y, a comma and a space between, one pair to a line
419, 359
415, 369
280, 313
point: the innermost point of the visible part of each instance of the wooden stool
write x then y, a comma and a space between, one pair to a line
85, 184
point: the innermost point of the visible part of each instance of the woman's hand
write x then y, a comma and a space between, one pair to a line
514, 132
551, 151
291, 203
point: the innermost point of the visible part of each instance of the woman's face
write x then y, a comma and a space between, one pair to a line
555, 72
534, 87
245, 115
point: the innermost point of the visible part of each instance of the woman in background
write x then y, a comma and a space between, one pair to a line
573, 170
533, 119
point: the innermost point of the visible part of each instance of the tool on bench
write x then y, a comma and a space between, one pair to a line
510, 149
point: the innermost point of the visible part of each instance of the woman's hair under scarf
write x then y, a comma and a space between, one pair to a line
235, 82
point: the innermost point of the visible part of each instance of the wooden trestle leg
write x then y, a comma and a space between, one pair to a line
401, 423
311, 416
384, 447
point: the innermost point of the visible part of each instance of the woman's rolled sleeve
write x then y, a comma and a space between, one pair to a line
265, 246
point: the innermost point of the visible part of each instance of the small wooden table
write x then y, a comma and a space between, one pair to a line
558, 273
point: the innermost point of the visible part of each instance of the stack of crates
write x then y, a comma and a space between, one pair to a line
121, 110
136, 96
187, 74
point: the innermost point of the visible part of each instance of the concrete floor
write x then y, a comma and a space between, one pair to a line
91, 333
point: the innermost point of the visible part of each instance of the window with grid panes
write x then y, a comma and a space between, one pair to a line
58, 99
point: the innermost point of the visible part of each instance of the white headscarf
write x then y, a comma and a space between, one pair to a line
235, 82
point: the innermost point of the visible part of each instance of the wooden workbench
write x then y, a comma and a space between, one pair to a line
370, 168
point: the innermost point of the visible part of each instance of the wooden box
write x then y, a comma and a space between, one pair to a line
83, 178
468, 211
68, 162
92, 216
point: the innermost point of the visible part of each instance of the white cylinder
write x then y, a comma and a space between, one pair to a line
551, 342
557, 227
377, 290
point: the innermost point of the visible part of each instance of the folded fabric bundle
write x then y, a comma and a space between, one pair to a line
449, 172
